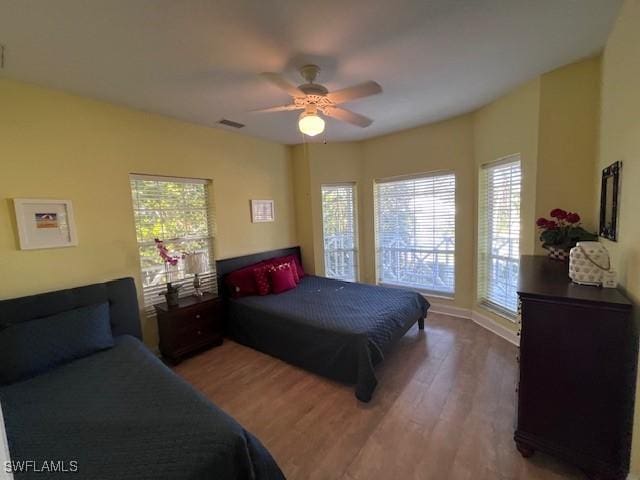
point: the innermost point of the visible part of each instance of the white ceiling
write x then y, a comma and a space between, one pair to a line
199, 60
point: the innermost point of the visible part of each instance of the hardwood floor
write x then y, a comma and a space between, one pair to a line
444, 409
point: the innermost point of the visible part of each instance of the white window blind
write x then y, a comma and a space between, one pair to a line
499, 234
176, 211
415, 232
340, 231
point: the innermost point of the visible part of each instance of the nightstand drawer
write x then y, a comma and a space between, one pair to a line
191, 318
193, 329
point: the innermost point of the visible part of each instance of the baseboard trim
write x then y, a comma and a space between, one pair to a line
494, 327
482, 320
450, 310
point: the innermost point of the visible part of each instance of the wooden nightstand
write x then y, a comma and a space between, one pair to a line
195, 324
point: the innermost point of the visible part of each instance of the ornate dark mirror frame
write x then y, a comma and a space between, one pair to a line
610, 181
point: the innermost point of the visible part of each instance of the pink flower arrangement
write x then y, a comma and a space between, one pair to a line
165, 255
560, 218
563, 230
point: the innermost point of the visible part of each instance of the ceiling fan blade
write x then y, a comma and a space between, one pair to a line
348, 116
281, 83
282, 108
357, 91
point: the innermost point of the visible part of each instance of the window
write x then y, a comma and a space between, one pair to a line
499, 234
340, 232
415, 232
176, 211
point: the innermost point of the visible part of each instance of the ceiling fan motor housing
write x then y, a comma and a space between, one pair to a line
309, 72
313, 89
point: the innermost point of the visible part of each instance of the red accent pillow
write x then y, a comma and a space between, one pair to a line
241, 283
293, 259
294, 270
261, 277
282, 278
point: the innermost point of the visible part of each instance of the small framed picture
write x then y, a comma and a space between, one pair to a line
45, 223
262, 211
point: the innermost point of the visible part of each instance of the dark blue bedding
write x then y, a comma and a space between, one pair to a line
121, 414
337, 329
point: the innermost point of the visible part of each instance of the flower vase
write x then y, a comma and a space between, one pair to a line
172, 295
558, 253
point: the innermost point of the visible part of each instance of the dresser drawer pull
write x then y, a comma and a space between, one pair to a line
199, 332
198, 315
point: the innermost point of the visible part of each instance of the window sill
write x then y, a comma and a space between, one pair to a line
499, 311
428, 293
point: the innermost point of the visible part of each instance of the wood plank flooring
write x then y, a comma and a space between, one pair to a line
444, 409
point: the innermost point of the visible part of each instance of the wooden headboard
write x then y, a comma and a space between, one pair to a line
228, 265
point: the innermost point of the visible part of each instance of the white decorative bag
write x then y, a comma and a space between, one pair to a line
589, 263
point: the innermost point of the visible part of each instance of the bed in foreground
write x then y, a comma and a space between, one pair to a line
118, 412
338, 329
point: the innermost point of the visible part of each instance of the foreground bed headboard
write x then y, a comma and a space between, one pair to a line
227, 265
121, 295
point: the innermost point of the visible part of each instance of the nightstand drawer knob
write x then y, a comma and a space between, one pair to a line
198, 315
199, 332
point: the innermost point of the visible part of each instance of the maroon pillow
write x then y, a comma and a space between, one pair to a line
282, 278
294, 270
261, 277
241, 283
293, 259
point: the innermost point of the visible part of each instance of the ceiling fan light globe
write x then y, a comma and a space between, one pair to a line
311, 125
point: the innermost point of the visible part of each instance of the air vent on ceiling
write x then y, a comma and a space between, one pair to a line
230, 123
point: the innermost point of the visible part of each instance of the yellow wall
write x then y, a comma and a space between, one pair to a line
304, 218
56, 145
508, 126
323, 164
568, 140
620, 141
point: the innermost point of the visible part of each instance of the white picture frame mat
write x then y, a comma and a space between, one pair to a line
59, 232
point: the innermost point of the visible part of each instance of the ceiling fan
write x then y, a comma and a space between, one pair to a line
314, 98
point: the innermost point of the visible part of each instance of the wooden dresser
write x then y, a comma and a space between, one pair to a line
578, 359
196, 323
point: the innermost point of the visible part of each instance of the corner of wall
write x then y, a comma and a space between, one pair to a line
567, 139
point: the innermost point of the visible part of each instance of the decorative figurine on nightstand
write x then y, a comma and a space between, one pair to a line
195, 264
589, 264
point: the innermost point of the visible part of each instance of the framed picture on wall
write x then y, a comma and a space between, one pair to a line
262, 211
45, 223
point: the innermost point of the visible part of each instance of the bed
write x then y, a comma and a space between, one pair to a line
340, 330
119, 412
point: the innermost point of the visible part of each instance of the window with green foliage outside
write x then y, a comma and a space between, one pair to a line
176, 211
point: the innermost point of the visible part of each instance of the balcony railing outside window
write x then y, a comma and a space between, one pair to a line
340, 231
415, 233
499, 235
